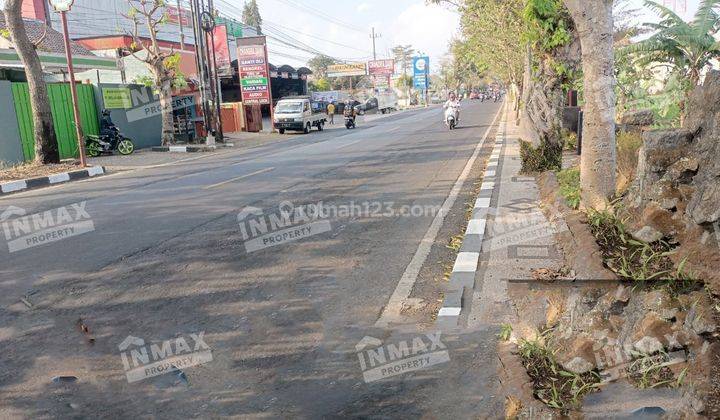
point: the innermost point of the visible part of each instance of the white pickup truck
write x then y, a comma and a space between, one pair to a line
299, 113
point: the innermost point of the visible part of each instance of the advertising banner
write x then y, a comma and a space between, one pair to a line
421, 71
177, 16
381, 67
352, 69
222, 50
252, 65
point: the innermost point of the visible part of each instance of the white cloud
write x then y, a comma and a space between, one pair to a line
428, 28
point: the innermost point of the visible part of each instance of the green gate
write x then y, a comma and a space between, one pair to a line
61, 106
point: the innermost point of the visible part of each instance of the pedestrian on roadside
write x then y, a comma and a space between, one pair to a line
331, 112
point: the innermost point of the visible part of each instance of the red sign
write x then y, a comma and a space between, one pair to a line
177, 16
381, 67
222, 50
252, 66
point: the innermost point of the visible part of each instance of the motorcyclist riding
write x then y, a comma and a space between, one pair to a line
453, 103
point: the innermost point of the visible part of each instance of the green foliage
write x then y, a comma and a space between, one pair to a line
251, 15
491, 40
505, 332
666, 103
319, 65
320, 85
687, 47
569, 180
546, 157
403, 82
549, 24
553, 385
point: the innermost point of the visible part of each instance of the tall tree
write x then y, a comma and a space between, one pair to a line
46, 147
319, 65
594, 22
162, 64
403, 54
251, 15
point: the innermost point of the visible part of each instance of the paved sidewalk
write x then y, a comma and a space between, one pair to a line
518, 237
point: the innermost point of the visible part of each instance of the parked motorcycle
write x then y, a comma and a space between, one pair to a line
108, 142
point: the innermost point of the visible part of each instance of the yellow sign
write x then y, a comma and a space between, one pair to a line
351, 69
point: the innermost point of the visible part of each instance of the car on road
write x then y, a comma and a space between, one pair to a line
299, 113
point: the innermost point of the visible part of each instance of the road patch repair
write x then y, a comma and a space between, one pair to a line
46, 181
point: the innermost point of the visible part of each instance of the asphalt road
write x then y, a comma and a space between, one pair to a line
183, 249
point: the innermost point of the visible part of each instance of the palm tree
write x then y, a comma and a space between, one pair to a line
686, 47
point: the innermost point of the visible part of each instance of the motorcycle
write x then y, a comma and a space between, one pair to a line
111, 140
451, 114
349, 118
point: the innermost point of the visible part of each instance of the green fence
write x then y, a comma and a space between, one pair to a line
61, 105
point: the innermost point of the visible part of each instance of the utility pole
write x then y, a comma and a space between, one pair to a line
201, 60
374, 36
215, 84
180, 21
62, 7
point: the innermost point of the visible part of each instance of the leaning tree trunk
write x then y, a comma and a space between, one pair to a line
594, 22
168, 131
46, 147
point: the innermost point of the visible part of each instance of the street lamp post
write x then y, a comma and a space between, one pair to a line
62, 7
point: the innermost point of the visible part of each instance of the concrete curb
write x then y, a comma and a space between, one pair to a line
45, 181
184, 149
466, 262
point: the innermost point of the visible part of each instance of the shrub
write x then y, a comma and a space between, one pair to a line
546, 157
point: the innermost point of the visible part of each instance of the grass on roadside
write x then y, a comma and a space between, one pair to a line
635, 260
554, 386
651, 371
569, 180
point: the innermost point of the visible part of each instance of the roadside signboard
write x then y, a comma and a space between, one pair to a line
253, 69
351, 69
421, 69
116, 98
381, 67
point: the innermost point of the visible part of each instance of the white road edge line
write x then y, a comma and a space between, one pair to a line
391, 312
239, 178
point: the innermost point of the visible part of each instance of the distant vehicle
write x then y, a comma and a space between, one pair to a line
474, 95
387, 102
299, 113
368, 107
436, 100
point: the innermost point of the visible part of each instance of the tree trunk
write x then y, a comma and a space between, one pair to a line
46, 147
168, 131
594, 22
